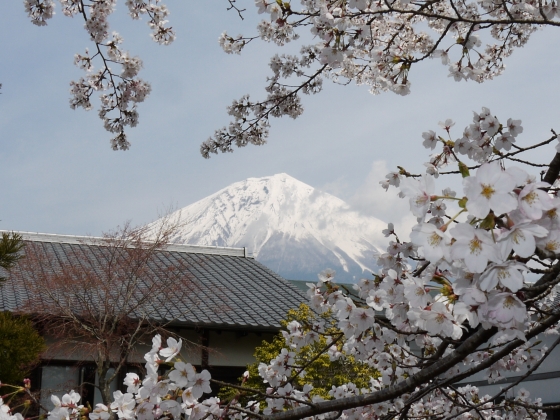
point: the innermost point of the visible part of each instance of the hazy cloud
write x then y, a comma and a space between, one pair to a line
372, 200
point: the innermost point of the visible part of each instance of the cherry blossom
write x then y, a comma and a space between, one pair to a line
417, 292
100, 412
508, 274
389, 231
550, 243
434, 242
438, 320
475, 246
459, 284
490, 189
119, 93
533, 201
201, 384
133, 382
183, 374
123, 404
173, 348
419, 193
504, 310
380, 45
430, 140
521, 239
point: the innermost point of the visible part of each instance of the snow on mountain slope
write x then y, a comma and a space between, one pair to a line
289, 226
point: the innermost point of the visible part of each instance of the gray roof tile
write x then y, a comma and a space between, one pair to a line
228, 290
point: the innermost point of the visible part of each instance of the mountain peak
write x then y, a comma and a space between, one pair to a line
288, 225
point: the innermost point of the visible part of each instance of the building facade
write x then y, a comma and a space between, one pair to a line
220, 301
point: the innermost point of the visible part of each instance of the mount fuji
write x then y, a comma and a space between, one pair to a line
292, 228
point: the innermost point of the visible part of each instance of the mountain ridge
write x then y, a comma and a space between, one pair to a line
289, 226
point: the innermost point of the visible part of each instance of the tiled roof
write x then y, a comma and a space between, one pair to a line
229, 289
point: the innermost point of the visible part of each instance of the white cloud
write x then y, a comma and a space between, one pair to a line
372, 200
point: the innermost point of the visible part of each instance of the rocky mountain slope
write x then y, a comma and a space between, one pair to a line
287, 225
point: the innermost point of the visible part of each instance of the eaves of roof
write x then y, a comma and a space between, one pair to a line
230, 290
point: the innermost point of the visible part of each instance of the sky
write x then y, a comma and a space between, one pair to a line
59, 174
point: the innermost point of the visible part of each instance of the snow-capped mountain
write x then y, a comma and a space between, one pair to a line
287, 225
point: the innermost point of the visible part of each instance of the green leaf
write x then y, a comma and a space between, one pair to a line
489, 222
464, 170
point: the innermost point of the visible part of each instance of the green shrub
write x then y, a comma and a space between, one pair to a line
321, 372
20, 346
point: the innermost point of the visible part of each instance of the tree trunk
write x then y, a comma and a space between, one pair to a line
103, 367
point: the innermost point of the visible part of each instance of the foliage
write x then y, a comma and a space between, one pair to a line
20, 347
319, 370
10, 247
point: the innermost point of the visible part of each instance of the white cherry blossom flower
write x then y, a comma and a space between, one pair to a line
156, 343
262, 6
59, 413
490, 189
463, 312
152, 364
434, 243
145, 410
71, 399
551, 218
514, 127
201, 384
100, 412
197, 412
471, 296
326, 275
377, 299
438, 320
170, 407
56, 401
505, 310
521, 239
447, 124
521, 177
475, 246
550, 243
362, 319
419, 192
491, 125
443, 55
505, 141
188, 397
183, 374
408, 249
172, 350
416, 293
438, 208
385, 184
431, 169
448, 192
389, 231
123, 404
345, 307
533, 200
133, 382
430, 139
393, 178
508, 274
